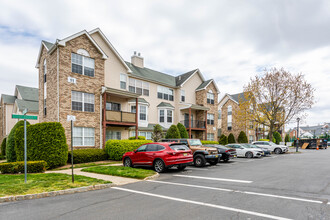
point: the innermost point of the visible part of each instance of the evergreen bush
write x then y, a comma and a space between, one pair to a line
157, 133
18, 167
117, 148
287, 138
45, 141
242, 138
223, 140
231, 139
87, 155
183, 131
173, 132
3, 147
277, 137
210, 142
10, 145
139, 138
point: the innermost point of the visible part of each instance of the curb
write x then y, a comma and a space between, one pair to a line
55, 193
152, 177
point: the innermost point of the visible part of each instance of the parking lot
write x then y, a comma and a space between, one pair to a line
286, 186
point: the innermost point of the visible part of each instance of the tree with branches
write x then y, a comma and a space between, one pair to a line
274, 99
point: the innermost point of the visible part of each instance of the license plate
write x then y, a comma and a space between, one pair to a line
185, 154
216, 156
235, 156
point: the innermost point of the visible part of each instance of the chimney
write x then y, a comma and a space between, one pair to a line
137, 60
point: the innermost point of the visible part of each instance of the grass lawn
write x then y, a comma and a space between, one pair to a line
121, 171
11, 185
80, 165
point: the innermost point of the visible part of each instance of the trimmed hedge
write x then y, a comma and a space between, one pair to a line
242, 138
87, 155
45, 141
139, 138
10, 145
3, 147
18, 167
183, 131
117, 148
223, 139
210, 142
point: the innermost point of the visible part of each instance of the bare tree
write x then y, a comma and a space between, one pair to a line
274, 99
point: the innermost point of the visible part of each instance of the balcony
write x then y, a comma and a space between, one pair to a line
120, 116
195, 124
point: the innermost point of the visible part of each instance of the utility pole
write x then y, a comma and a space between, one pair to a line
297, 144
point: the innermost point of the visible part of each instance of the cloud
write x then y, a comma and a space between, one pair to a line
230, 41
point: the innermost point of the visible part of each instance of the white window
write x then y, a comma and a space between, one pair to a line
210, 136
138, 87
210, 97
250, 138
45, 71
219, 114
229, 122
123, 81
251, 124
210, 119
166, 116
83, 136
82, 101
112, 135
183, 96
82, 65
165, 93
143, 112
145, 134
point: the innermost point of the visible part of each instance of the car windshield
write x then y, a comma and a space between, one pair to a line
195, 142
250, 146
271, 143
177, 147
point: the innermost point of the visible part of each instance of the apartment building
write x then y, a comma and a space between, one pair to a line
228, 106
23, 98
84, 76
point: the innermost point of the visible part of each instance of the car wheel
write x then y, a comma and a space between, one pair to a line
181, 167
199, 161
277, 151
127, 162
214, 162
249, 155
226, 160
159, 166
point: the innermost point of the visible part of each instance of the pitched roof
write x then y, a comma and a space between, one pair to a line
28, 93
183, 77
165, 104
140, 100
238, 97
153, 75
8, 99
47, 44
31, 106
204, 84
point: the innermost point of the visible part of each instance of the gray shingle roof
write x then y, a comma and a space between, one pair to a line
28, 93
165, 104
8, 99
31, 106
47, 44
183, 77
238, 97
204, 84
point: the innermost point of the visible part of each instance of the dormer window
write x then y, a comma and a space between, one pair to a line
210, 97
82, 64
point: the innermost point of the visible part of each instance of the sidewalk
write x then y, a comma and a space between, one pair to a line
116, 180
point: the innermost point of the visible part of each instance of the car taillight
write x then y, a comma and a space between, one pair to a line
171, 153
227, 151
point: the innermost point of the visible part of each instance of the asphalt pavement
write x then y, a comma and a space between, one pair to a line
288, 186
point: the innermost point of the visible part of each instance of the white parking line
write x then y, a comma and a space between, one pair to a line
211, 178
191, 168
238, 191
203, 204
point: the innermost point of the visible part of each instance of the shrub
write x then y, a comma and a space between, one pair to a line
139, 138
45, 141
2, 157
287, 138
157, 134
242, 138
277, 137
3, 147
231, 139
117, 148
10, 145
18, 167
210, 142
223, 139
183, 131
87, 155
173, 132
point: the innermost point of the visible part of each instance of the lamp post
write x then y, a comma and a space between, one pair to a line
297, 144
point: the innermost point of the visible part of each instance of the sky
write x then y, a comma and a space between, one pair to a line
229, 41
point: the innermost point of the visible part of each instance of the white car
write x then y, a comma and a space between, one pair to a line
277, 149
243, 151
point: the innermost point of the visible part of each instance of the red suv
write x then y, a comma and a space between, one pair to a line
159, 156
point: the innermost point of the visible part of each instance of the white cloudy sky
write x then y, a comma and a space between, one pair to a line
230, 41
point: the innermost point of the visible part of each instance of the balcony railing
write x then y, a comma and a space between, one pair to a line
120, 116
194, 123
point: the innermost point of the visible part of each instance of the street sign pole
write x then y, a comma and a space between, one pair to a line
72, 150
25, 157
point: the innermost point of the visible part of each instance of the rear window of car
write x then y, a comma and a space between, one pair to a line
177, 147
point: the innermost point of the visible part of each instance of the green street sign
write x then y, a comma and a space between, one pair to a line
28, 117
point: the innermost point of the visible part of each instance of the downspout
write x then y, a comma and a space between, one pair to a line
58, 84
101, 133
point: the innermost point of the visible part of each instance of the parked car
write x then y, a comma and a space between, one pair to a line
227, 153
277, 149
160, 156
201, 153
265, 150
243, 151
